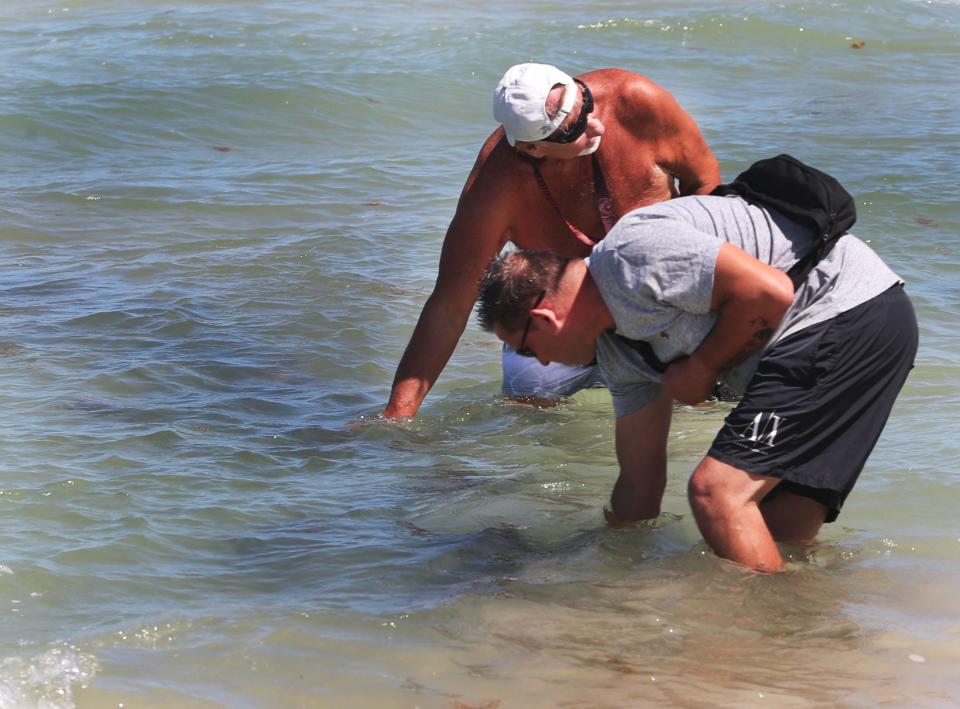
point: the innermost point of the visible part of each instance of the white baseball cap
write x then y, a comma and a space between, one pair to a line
520, 101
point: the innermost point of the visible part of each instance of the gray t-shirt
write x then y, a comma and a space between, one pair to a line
655, 273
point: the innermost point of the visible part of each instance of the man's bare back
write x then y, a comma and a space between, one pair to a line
646, 143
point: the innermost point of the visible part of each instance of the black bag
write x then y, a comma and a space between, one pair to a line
803, 194
808, 196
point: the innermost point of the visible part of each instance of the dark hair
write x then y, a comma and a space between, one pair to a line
512, 282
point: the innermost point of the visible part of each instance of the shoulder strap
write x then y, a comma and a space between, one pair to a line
604, 203
802, 193
602, 195
646, 351
579, 235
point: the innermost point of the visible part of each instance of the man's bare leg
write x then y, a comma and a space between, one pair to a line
793, 518
725, 502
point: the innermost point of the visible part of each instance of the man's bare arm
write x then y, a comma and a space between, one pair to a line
641, 440
750, 298
679, 147
474, 236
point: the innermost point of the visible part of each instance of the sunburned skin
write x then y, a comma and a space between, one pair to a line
651, 150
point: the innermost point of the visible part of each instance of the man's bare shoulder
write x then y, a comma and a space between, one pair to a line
498, 166
638, 100
620, 81
644, 108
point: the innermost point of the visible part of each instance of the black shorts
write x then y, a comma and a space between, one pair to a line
819, 399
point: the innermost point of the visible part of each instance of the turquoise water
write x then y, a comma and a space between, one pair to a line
219, 221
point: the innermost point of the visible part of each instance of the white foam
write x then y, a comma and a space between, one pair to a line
47, 680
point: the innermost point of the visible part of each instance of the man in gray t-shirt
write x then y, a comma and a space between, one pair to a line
684, 292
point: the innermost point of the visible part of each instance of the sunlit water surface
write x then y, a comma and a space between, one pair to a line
219, 223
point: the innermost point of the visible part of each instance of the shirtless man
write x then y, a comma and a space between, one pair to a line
539, 182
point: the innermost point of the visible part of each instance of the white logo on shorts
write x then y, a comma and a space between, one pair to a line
763, 429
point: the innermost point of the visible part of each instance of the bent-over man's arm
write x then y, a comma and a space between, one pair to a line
475, 235
750, 298
641, 440
679, 147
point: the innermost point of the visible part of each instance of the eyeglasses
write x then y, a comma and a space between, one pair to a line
568, 135
523, 350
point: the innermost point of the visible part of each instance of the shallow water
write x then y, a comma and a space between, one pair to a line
220, 221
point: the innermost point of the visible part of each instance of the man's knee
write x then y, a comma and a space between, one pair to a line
708, 488
718, 488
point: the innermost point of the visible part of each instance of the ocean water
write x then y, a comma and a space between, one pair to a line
218, 223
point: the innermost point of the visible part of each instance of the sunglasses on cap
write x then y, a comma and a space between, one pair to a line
568, 135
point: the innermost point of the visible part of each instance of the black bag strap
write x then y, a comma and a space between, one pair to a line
805, 195
802, 193
646, 351
799, 271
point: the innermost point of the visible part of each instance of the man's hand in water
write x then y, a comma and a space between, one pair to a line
362, 423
